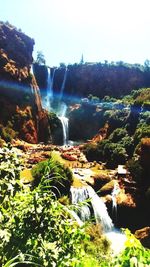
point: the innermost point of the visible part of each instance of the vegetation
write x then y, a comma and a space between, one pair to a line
134, 253
127, 126
54, 175
7, 133
34, 225
37, 229
40, 60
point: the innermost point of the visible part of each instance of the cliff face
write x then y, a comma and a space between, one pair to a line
98, 79
20, 102
101, 79
19, 46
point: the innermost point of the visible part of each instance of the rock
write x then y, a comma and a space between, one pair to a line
144, 236
20, 102
107, 188
100, 180
102, 134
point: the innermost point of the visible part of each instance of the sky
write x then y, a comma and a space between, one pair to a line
113, 30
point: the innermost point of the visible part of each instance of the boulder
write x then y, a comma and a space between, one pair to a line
144, 236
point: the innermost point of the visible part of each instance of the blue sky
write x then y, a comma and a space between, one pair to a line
110, 30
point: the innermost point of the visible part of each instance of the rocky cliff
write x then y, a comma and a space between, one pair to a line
21, 112
98, 79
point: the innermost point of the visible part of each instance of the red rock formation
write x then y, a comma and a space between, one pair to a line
102, 134
20, 101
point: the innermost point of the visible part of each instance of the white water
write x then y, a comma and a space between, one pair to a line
79, 195
100, 210
64, 121
117, 239
47, 102
63, 84
114, 194
51, 86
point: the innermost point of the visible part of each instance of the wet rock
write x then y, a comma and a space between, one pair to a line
144, 236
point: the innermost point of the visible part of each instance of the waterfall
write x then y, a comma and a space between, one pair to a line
64, 121
32, 69
46, 102
49, 89
79, 195
63, 84
51, 93
100, 210
114, 194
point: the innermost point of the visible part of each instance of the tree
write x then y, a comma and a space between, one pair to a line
40, 58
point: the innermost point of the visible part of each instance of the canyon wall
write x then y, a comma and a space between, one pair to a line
20, 102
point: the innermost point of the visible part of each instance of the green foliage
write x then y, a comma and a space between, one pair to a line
142, 130
40, 58
114, 154
35, 228
116, 118
135, 169
98, 246
92, 152
54, 175
7, 133
93, 99
62, 65
107, 151
2, 142
40, 226
10, 166
143, 97
118, 134
133, 255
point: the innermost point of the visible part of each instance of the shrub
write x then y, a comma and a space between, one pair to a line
57, 177
34, 227
35, 224
10, 166
135, 169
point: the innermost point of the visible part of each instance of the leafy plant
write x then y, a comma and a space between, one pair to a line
134, 253
54, 175
10, 166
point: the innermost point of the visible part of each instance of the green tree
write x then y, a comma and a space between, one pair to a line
40, 58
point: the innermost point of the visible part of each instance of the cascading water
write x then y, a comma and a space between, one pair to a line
114, 194
61, 109
64, 122
51, 86
49, 90
79, 195
100, 210
63, 85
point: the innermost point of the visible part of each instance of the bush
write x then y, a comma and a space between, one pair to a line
135, 169
34, 227
35, 224
10, 166
7, 133
57, 177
